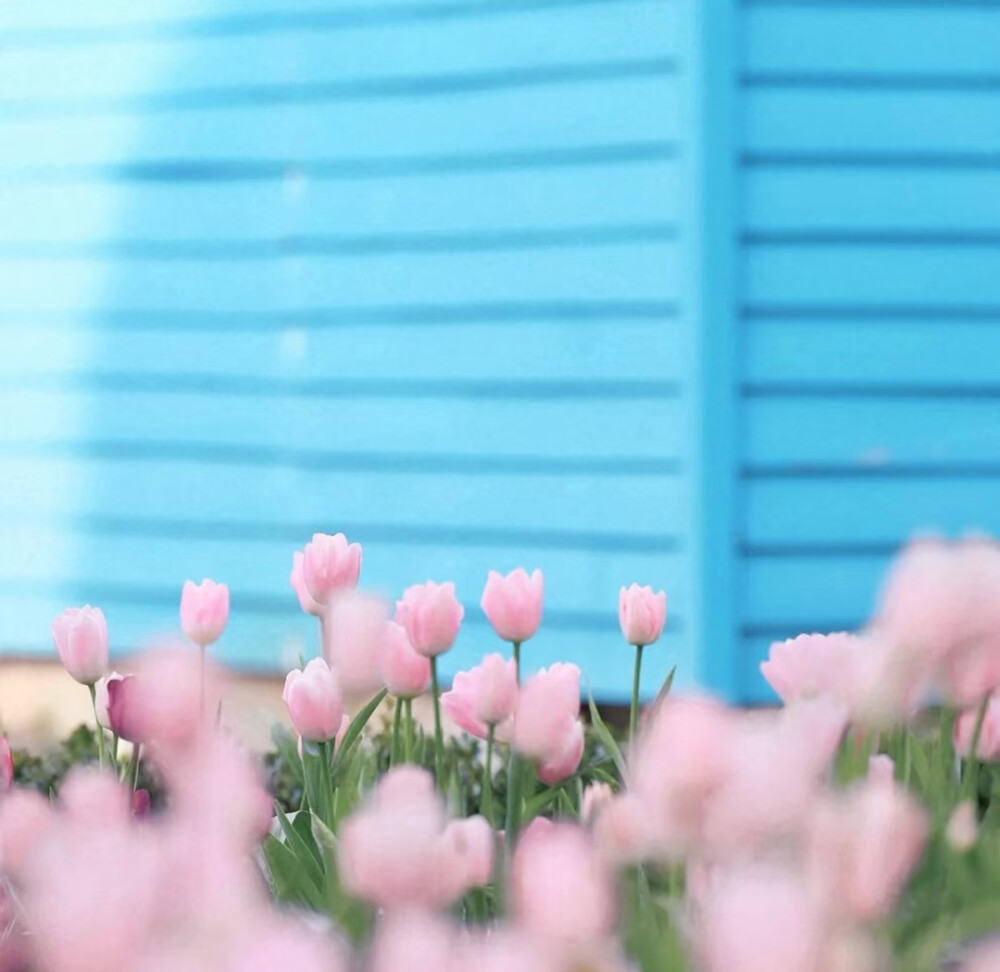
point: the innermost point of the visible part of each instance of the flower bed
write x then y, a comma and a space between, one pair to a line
852, 829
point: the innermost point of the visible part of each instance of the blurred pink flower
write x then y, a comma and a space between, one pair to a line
204, 611
484, 695
881, 769
547, 727
641, 614
863, 844
6, 764
81, 639
314, 701
92, 798
962, 828
808, 665
26, 818
414, 942
352, 639
513, 604
298, 584
283, 943
596, 796
431, 615
561, 891
988, 748
329, 563
406, 673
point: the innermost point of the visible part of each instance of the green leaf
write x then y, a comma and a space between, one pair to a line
291, 883
354, 730
604, 734
300, 842
661, 696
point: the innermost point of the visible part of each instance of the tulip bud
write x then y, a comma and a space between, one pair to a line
328, 564
641, 614
405, 672
314, 701
483, 696
204, 611
431, 614
81, 639
513, 604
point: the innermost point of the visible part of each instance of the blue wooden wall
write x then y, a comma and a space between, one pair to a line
700, 293
869, 300
408, 270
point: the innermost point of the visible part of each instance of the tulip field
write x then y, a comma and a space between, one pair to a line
852, 828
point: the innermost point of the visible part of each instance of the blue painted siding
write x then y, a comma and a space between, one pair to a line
409, 270
870, 239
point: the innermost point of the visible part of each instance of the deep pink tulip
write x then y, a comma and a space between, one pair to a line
6, 764
406, 673
546, 723
329, 564
204, 611
314, 701
81, 639
513, 604
298, 584
560, 889
484, 696
807, 666
431, 614
641, 614
101, 697
140, 803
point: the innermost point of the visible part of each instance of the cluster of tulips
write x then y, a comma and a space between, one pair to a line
849, 830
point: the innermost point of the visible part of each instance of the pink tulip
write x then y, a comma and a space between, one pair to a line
547, 727
641, 614
92, 798
81, 639
484, 696
204, 611
468, 853
352, 640
298, 583
560, 890
863, 844
314, 701
6, 764
988, 748
759, 918
140, 803
431, 614
962, 829
881, 769
329, 564
26, 820
806, 666
413, 942
513, 604
596, 796
283, 943
101, 697
406, 673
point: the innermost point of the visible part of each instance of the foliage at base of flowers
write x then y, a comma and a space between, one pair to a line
854, 829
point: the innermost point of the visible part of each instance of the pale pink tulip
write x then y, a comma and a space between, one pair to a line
546, 722
406, 673
962, 828
92, 798
596, 796
807, 666
6, 764
26, 820
513, 604
329, 564
563, 762
314, 701
468, 853
298, 584
759, 918
352, 640
988, 747
863, 844
484, 696
431, 615
560, 889
641, 614
414, 942
881, 769
101, 697
204, 611
81, 639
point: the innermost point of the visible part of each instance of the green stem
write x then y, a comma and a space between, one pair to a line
397, 718
517, 659
514, 780
97, 723
438, 735
633, 718
408, 733
487, 797
326, 811
972, 767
